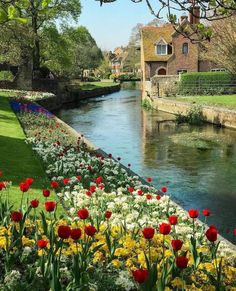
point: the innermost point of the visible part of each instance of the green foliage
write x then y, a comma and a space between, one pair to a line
194, 116
207, 83
146, 104
6, 76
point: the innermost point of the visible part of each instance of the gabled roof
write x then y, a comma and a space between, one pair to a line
150, 36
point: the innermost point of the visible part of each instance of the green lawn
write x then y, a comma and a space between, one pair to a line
17, 160
93, 85
228, 101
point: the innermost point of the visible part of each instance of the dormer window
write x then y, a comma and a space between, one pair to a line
185, 48
161, 48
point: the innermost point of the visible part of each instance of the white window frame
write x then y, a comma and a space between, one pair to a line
161, 43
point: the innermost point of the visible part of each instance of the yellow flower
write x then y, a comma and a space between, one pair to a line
119, 252
27, 242
116, 263
177, 283
2, 242
98, 257
129, 263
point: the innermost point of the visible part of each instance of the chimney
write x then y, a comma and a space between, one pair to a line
194, 15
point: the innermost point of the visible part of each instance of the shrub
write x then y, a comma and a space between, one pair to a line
194, 116
207, 83
6, 76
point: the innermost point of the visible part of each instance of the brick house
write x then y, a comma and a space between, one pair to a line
117, 59
164, 51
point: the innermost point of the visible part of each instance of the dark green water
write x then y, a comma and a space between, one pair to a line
196, 178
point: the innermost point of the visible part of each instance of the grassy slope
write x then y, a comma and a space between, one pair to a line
228, 101
17, 160
93, 85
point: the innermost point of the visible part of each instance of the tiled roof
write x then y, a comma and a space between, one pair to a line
150, 36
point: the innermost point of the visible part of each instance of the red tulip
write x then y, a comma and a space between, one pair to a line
235, 231
46, 192
54, 184
24, 187
83, 213
78, 177
173, 219
2, 185
164, 189
16, 216
149, 196
158, 197
92, 188
108, 214
211, 234
90, 230
148, 232
88, 193
131, 189
140, 192
176, 244
64, 231
149, 179
206, 212
29, 181
101, 186
193, 213
181, 262
66, 181
42, 244
99, 180
34, 203
75, 233
165, 228
50, 206
140, 275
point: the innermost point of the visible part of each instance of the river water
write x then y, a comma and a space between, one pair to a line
156, 147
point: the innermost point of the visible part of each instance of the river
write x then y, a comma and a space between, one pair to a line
195, 177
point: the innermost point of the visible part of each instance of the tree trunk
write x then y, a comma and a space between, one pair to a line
36, 48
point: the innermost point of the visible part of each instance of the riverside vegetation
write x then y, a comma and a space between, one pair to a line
117, 234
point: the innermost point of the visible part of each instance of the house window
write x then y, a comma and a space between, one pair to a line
181, 71
185, 48
218, 70
161, 48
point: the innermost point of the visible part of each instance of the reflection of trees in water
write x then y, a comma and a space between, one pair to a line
159, 149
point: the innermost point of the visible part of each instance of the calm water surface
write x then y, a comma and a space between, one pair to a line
195, 178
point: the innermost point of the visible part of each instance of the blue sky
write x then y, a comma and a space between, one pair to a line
111, 24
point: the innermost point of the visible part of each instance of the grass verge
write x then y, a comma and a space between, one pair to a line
227, 101
17, 159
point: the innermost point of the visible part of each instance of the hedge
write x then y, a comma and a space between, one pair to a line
207, 83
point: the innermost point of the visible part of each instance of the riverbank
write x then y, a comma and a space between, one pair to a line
75, 93
212, 114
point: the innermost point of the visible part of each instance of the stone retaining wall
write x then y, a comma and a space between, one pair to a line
215, 115
57, 101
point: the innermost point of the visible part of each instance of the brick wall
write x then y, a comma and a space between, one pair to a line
179, 60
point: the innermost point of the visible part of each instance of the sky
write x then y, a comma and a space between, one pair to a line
111, 24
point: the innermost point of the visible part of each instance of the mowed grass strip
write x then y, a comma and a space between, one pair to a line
227, 101
17, 159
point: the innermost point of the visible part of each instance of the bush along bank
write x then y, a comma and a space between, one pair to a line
119, 234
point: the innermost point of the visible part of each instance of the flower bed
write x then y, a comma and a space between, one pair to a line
119, 234
29, 95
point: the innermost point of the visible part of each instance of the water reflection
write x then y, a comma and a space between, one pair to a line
196, 177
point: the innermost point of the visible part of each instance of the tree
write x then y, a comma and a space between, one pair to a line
222, 46
86, 54
35, 14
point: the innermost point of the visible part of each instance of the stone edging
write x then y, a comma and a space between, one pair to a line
57, 101
212, 114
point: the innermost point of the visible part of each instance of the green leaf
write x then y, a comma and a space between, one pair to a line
11, 11
21, 20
